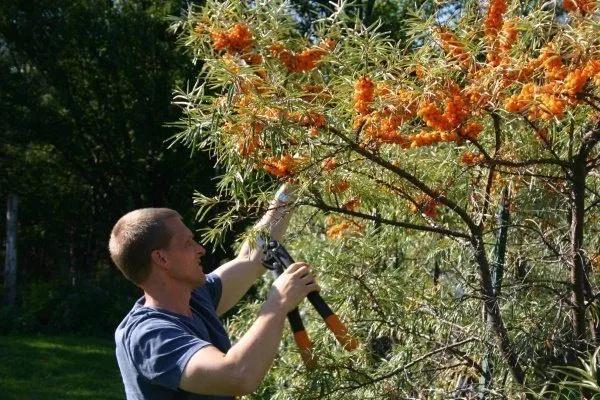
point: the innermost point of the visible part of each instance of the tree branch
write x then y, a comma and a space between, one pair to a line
409, 177
548, 146
490, 179
442, 231
405, 367
527, 163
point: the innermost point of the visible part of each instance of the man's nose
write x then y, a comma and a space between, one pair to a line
200, 250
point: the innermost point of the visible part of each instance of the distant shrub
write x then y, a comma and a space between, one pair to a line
93, 306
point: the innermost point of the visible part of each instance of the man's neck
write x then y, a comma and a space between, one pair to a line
173, 299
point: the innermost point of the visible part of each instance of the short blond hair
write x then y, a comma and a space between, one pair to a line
135, 236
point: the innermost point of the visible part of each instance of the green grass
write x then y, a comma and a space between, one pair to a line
58, 367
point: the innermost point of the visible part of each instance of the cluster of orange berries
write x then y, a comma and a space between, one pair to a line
468, 130
433, 116
581, 6
313, 120
456, 110
576, 79
283, 166
552, 63
329, 164
540, 103
352, 204
593, 70
495, 20
548, 106
509, 34
337, 230
248, 133
500, 44
364, 92
306, 60
338, 187
450, 125
520, 102
425, 138
425, 205
452, 46
234, 40
381, 127
469, 158
550, 100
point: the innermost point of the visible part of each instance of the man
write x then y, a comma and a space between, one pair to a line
172, 345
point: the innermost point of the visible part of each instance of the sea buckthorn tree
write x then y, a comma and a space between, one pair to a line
402, 156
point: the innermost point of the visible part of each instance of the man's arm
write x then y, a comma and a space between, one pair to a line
241, 370
240, 273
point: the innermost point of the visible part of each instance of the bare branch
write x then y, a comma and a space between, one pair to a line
442, 231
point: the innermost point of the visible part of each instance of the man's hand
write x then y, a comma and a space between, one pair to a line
243, 367
240, 273
285, 194
291, 287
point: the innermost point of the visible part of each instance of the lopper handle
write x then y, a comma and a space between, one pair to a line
279, 258
340, 331
301, 338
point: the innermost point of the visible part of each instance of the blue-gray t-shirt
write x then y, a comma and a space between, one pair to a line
154, 345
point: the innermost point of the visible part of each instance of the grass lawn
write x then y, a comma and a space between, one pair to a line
58, 367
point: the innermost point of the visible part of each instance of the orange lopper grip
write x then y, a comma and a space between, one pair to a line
341, 332
306, 348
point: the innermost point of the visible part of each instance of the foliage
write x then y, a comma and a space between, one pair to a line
574, 380
400, 153
86, 95
54, 306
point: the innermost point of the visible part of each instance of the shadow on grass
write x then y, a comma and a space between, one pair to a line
58, 367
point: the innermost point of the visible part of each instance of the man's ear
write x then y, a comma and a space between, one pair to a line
159, 258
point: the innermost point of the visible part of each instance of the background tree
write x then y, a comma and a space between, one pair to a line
86, 97
400, 155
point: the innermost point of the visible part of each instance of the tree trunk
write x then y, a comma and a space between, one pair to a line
578, 275
10, 263
579, 278
492, 310
487, 364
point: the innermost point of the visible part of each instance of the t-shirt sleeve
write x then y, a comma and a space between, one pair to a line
161, 350
213, 287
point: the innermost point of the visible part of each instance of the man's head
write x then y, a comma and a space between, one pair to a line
136, 235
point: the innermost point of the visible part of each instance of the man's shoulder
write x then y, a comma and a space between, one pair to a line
140, 320
210, 291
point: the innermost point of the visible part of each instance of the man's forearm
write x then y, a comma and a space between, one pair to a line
254, 353
240, 370
239, 274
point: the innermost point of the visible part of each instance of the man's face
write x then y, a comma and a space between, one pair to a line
184, 253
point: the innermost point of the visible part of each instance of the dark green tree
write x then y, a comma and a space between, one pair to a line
86, 100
